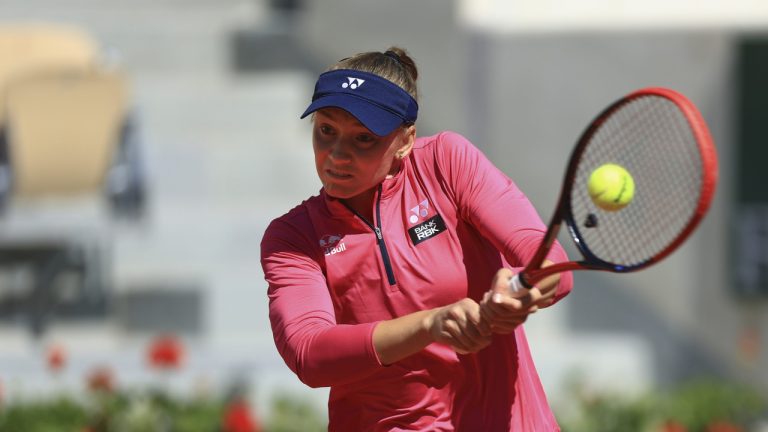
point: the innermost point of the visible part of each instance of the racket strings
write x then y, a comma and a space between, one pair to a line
653, 140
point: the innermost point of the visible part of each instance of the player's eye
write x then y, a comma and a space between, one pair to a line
325, 129
365, 140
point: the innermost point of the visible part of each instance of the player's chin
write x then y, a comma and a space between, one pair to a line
337, 191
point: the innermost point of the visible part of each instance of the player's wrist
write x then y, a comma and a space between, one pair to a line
427, 325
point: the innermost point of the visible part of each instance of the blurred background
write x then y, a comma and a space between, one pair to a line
145, 146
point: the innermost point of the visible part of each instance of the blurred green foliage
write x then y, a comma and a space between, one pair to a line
705, 405
56, 415
148, 412
291, 415
113, 412
701, 405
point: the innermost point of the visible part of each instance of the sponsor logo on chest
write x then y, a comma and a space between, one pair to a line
332, 244
427, 229
419, 212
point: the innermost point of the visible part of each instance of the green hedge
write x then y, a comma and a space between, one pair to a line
703, 405
148, 412
697, 406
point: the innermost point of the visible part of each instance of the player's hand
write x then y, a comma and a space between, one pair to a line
460, 326
504, 310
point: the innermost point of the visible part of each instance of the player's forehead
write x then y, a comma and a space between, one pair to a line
338, 115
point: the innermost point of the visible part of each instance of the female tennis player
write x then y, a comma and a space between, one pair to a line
391, 285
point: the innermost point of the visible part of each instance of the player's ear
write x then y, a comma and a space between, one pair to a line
409, 136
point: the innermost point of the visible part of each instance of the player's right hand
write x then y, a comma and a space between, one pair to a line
505, 310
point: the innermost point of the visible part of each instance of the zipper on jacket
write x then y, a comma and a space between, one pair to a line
379, 237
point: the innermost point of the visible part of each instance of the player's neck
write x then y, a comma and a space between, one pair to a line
362, 204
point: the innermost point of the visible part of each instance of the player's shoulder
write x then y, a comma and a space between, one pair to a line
442, 139
294, 224
441, 143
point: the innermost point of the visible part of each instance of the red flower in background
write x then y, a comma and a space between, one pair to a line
165, 352
100, 379
723, 426
672, 426
238, 418
56, 358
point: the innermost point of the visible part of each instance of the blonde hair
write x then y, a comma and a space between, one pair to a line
394, 65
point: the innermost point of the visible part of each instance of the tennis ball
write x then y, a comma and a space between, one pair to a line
611, 187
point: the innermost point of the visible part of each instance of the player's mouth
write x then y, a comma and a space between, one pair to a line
338, 175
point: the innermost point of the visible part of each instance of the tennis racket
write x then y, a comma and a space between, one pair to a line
661, 139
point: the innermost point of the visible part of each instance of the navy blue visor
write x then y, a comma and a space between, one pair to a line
379, 104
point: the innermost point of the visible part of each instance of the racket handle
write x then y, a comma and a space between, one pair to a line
516, 285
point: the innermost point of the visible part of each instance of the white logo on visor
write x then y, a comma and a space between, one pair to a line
353, 83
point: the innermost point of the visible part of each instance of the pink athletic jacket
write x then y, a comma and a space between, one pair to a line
439, 226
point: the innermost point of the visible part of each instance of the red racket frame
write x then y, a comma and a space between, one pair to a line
533, 271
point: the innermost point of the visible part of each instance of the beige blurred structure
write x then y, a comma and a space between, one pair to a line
32, 47
63, 130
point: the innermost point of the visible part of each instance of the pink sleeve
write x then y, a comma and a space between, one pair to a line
320, 352
492, 203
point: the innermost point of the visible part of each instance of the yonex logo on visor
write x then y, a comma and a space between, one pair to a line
380, 105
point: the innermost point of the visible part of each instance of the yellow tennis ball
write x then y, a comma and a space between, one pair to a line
611, 187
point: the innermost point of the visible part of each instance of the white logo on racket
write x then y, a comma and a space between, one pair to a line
352, 83
419, 212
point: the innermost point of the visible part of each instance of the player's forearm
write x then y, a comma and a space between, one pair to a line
323, 354
458, 325
401, 337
